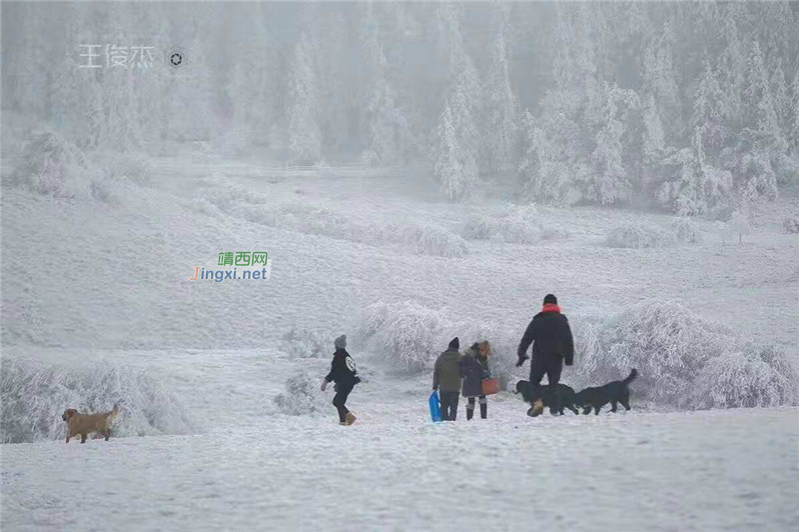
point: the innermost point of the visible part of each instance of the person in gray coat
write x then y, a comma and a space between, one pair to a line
474, 367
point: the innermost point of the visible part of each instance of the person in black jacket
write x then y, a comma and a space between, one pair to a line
551, 336
345, 375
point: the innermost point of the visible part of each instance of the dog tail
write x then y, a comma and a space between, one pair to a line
631, 377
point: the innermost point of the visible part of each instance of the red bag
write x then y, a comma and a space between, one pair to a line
490, 386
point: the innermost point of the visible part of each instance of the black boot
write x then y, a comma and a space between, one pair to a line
469, 413
484, 411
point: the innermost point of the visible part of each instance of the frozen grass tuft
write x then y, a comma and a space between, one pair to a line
638, 235
34, 398
302, 396
513, 224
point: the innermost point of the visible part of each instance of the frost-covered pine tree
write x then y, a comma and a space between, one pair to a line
660, 79
389, 134
500, 104
780, 98
455, 167
305, 136
653, 145
793, 121
760, 115
612, 182
709, 113
732, 66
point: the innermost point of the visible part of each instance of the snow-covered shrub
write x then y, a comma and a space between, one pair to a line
664, 341
434, 240
515, 224
228, 196
686, 231
306, 343
636, 235
747, 376
302, 396
791, 225
54, 167
203, 206
683, 360
34, 398
406, 337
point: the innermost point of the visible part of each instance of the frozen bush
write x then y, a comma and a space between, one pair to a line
203, 206
406, 337
52, 166
635, 235
34, 398
791, 225
228, 196
302, 396
747, 376
306, 343
681, 358
512, 224
434, 240
686, 231
477, 228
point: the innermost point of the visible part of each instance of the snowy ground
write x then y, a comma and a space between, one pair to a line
718, 470
86, 281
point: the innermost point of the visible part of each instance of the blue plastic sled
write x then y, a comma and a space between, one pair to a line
435, 406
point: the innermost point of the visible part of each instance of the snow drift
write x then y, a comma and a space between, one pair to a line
683, 361
34, 397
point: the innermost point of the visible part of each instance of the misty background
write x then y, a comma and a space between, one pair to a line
692, 108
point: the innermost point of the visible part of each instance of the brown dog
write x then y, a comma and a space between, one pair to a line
85, 424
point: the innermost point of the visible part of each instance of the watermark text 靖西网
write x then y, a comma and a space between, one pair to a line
238, 258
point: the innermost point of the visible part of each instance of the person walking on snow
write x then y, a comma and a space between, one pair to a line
345, 375
551, 336
447, 376
474, 369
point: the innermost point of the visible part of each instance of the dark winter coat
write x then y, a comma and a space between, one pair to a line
342, 369
447, 371
551, 336
474, 369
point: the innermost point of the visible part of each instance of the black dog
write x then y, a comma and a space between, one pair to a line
548, 397
613, 393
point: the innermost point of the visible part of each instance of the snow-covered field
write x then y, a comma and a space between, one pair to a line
93, 284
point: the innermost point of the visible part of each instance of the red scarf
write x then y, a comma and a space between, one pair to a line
550, 307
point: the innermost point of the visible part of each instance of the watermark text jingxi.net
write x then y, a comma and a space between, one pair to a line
239, 258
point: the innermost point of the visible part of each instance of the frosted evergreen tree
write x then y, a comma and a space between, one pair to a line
780, 98
455, 167
709, 113
793, 129
732, 66
389, 133
612, 182
760, 115
660, 80
501, 128
653, 145
305, 137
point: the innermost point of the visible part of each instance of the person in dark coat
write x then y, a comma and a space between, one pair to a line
447, 379
551, 336
345, 375
474, 367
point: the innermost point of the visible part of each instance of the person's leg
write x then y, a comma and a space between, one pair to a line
553, 377
470, 408
445, 404
455, 398
483, 407
537, 370
340, 400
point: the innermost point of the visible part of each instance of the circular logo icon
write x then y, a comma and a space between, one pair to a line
176, 57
